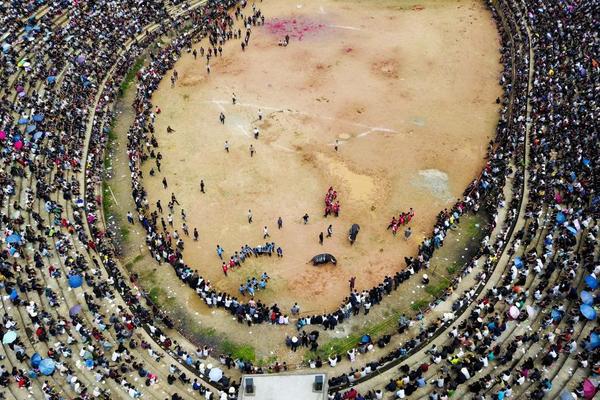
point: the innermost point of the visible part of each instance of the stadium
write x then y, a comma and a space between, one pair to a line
328, 199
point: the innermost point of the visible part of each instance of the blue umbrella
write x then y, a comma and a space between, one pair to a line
76, 309
23, 121
572, 230
587, 298
365, 339
560, 218
556, 315
593, 343
13, 294
38, 135
30, 128
75, 281
51, 79
36, 359
47, 366
591, 282
518, 262
588, 311
14, 238
38, 117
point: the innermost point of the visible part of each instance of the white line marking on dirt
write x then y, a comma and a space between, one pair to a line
243, 130
350, 28
290, 111
284, 148
218, 104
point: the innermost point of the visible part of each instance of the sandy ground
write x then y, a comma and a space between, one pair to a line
409, 93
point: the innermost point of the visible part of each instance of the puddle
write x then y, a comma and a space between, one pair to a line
436, 182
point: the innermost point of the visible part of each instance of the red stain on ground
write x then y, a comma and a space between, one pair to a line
296, 28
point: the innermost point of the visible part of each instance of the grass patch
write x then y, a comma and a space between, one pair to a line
419, 305
452, 269
139, 63
124, 232
240, 351
342, 345
436, 290
155, 294
264, 362
107, 202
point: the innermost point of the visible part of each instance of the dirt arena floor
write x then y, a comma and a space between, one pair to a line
407, 90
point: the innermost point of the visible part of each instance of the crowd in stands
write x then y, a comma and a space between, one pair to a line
75, 325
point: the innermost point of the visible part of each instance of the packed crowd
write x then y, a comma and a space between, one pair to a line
74, 324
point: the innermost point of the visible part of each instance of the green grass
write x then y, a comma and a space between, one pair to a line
129, 265
238, 351
139, 63
155, 294
420, 305
124, 232
452, 269
436, 290
107, 202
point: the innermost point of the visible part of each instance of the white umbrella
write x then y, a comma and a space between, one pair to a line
215, 374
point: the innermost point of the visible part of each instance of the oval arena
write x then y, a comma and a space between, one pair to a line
328, 199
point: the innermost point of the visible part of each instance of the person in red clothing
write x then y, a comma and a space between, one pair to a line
350, 394
224, 268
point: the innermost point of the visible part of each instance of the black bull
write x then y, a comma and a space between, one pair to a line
323, 259
353, 233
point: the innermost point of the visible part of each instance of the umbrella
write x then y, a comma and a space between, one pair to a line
14, 238
38, 117
593, 343
19, 145
572, 230
531, 311
5, 47
35, 360
9, 337
365, 339
22, 62
513, 311
589, 390
215, 375
518, 262
80, 59
30, 128
47, 366
38, 135
51, 79
560, 218
587, 298
23, 121
566, 395
13, 294
556, 315
588, 311
2, 135
76, 309
591, 282
75, 281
